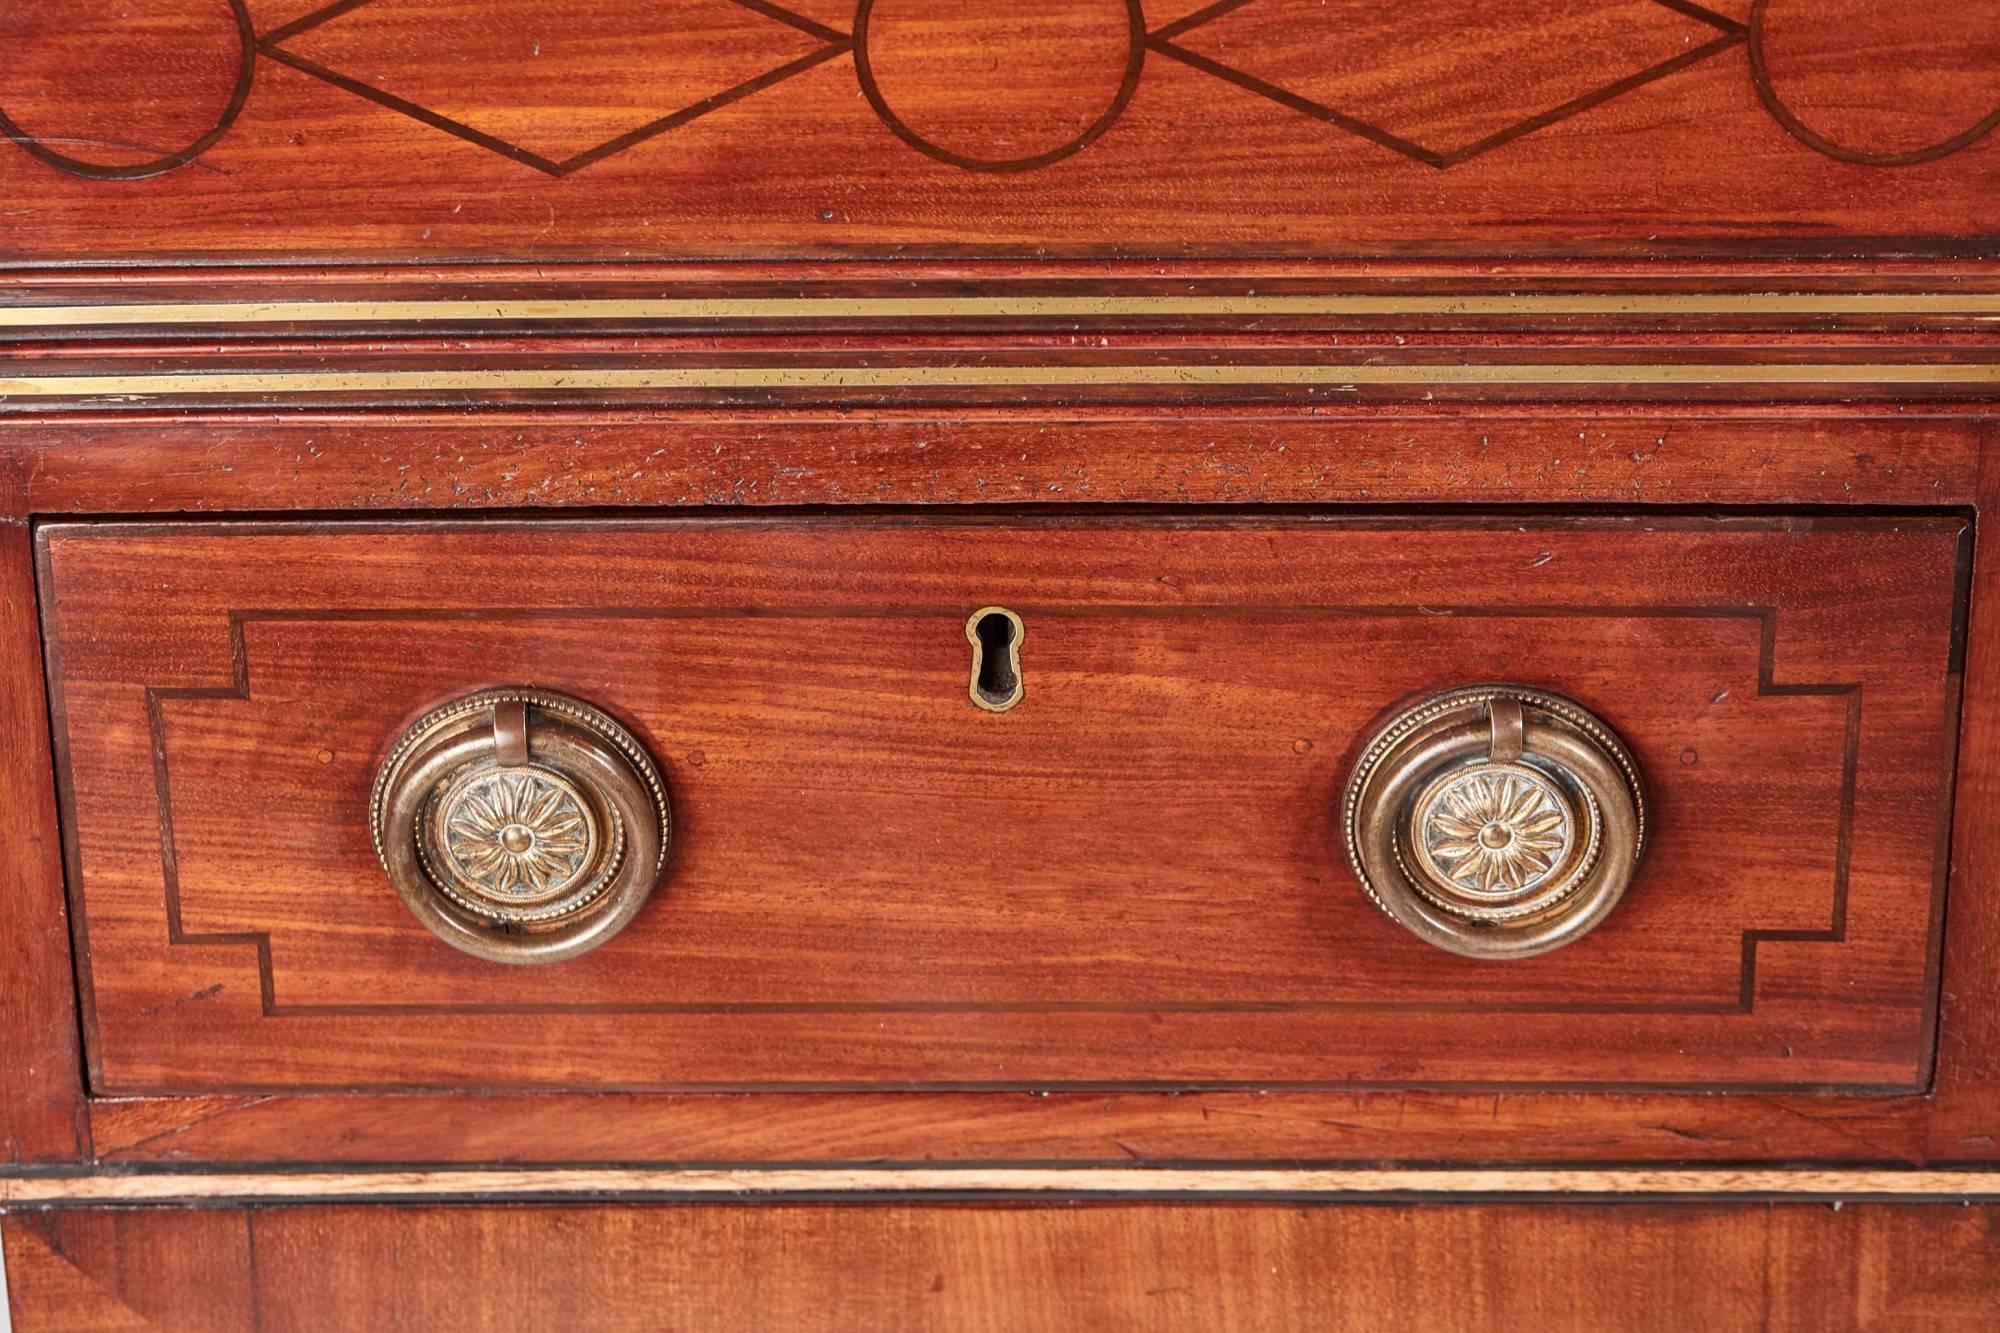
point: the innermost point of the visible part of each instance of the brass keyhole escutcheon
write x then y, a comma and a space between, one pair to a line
521, 826
1496, 821
995, 634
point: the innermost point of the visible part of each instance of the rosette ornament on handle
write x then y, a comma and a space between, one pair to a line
520, 825
1496, 821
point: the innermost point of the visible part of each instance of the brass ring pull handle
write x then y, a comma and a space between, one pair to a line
1496, 821
521, 826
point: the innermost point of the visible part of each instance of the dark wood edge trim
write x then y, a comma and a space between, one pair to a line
65, 791
1961, 599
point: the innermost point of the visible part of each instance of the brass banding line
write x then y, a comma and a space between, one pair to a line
376, 1185
462, 311
213, 383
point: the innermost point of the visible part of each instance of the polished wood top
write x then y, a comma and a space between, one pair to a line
421, 130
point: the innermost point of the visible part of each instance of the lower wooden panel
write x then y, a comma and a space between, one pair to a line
987, 1267
130, 1269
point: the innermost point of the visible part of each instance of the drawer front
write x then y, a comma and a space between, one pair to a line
1134, 878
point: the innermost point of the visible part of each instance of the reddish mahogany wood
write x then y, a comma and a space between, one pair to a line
1070, 1128
130, 1269
510, 459
1111, 1266
502, 150
903, 273
41, 1093
523, 161
1966, 1123
1744, 456
875, 884
431, 129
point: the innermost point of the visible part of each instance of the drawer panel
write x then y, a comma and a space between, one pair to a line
1135, 878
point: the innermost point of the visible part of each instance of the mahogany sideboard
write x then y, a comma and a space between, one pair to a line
922, 663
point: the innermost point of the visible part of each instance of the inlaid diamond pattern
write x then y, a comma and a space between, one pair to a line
1443, 81
1439, 81
583, 79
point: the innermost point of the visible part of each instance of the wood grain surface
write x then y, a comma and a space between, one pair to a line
1444, 223
1112, 1266
1638, 349
41, 1060
507, 459
1073, 1129
1966, 1122
430, 129
1131, 880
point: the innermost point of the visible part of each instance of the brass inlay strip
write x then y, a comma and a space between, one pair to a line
205, 383
998, 307
1052, 1181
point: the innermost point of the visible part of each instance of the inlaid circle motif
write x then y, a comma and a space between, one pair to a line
1007, 87
1882, 85
115, 92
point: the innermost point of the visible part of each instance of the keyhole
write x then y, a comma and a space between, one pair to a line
995, 634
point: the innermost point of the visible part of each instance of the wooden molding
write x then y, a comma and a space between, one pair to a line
863, 377
1030, 1181
463, 311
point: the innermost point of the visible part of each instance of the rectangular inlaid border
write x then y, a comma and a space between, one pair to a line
1764, 617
